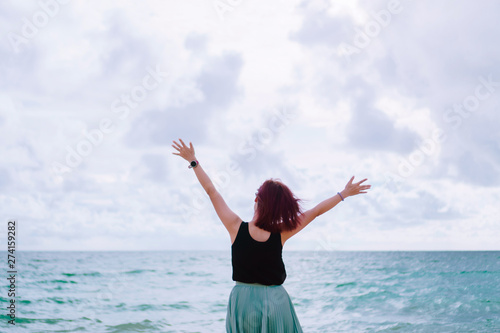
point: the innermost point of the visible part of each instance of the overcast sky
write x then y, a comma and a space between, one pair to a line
404, 93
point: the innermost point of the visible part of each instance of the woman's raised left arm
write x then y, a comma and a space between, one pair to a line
226, 215
187, 153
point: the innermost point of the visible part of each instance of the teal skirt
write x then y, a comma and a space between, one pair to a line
256, 308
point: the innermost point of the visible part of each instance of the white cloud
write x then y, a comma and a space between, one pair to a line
373, 116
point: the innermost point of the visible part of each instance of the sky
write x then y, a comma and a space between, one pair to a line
403, 93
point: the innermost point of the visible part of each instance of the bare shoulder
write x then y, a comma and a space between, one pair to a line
304, 219
287, 234
233, 230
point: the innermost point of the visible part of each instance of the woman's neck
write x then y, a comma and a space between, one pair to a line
254, 218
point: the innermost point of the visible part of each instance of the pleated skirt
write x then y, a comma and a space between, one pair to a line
256, 308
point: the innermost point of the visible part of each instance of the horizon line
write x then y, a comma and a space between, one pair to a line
215, 250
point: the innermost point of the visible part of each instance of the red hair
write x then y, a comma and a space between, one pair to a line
277, 208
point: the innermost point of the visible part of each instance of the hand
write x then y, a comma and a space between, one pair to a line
185, 152
353, 189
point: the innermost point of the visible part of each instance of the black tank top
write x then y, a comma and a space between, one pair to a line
257, 262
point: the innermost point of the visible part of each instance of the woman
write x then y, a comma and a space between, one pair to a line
258, 302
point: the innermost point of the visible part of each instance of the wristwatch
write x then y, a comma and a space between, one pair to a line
193, 164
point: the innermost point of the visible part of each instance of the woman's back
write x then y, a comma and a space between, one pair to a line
256, 261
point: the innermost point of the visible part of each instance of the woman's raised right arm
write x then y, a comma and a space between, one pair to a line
325, 205
349, 190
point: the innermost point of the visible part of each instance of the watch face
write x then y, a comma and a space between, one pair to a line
193, 163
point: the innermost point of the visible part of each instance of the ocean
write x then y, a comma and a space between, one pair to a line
188, 291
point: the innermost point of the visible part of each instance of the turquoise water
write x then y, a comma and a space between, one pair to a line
188, 291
